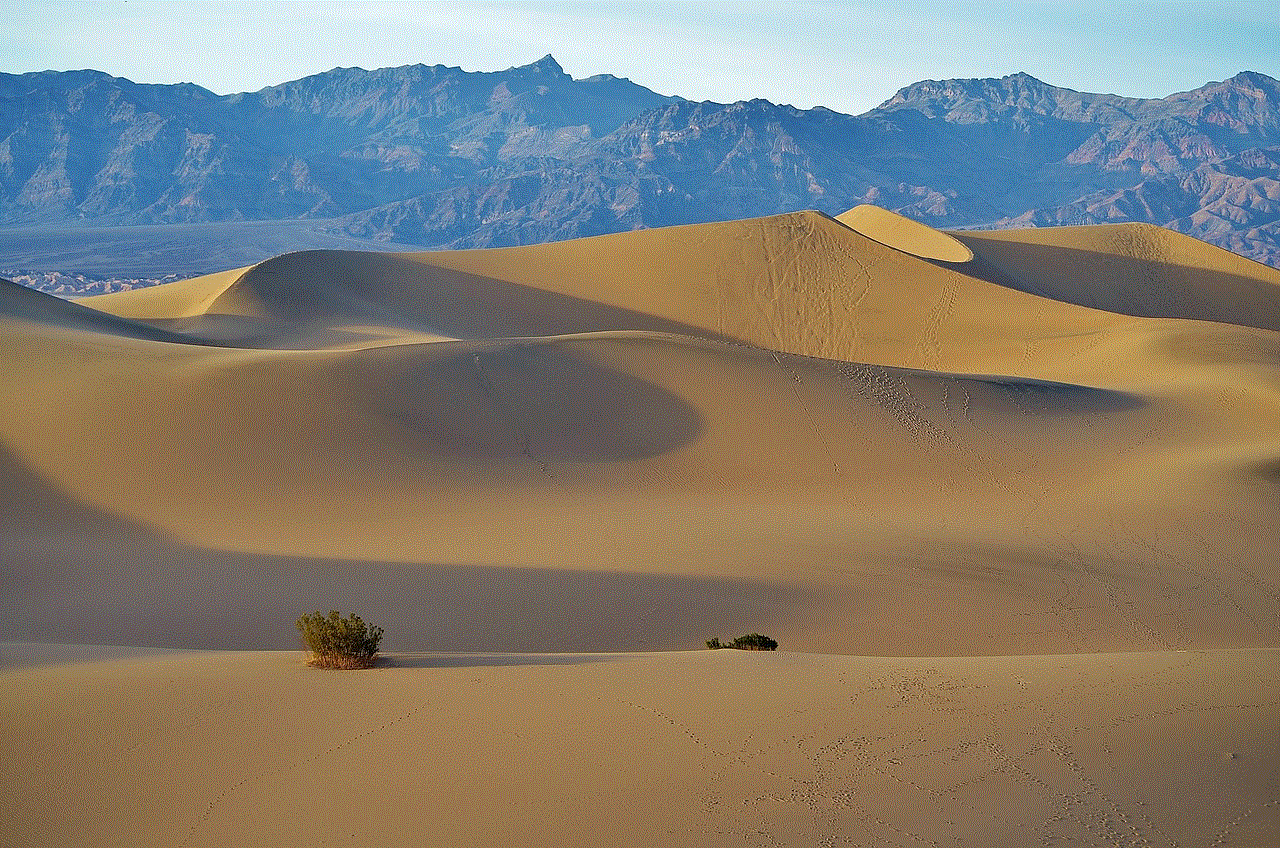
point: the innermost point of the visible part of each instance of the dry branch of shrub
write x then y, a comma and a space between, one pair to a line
338, 661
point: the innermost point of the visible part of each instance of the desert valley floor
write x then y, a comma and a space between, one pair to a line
1008, 501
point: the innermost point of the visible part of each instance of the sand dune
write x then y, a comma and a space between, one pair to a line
1023, 451
779, 399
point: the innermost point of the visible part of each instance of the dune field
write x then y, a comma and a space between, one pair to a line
1008, 501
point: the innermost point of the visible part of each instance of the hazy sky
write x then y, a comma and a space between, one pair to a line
848, 56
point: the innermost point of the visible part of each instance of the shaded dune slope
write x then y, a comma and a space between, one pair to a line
21, 304
1132, 269
1067, 443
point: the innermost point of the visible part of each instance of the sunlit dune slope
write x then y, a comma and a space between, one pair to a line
905, 235
1066, 443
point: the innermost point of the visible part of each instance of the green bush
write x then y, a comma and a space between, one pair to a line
337, 642
750, 642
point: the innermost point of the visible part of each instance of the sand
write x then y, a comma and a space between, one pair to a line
709, 748
904, 234
1005, 499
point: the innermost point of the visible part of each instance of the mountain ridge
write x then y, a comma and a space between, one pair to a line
441, 157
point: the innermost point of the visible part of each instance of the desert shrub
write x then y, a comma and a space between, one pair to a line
754, 642
749, 642
337, 642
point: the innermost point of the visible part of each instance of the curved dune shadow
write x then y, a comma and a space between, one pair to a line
536, 398
36, 306
1142, 288
72, 574
1047, 397
994, 394
328, 287
404, 659
144, 591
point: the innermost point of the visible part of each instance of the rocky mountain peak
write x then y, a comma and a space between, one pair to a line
976, 100
1250, 85
1254, 82
546, 65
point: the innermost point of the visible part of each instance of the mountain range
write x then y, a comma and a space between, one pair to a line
440, 157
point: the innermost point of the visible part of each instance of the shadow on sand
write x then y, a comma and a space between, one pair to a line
482, 660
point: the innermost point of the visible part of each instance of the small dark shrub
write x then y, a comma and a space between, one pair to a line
750, 642
754, 642
337, 642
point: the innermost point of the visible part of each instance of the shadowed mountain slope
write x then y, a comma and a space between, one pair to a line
440, 157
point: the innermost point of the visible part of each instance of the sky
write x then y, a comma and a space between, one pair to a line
847, 56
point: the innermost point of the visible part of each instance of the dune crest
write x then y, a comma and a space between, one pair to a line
901, 233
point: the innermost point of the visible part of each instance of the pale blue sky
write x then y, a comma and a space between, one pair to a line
848, 56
